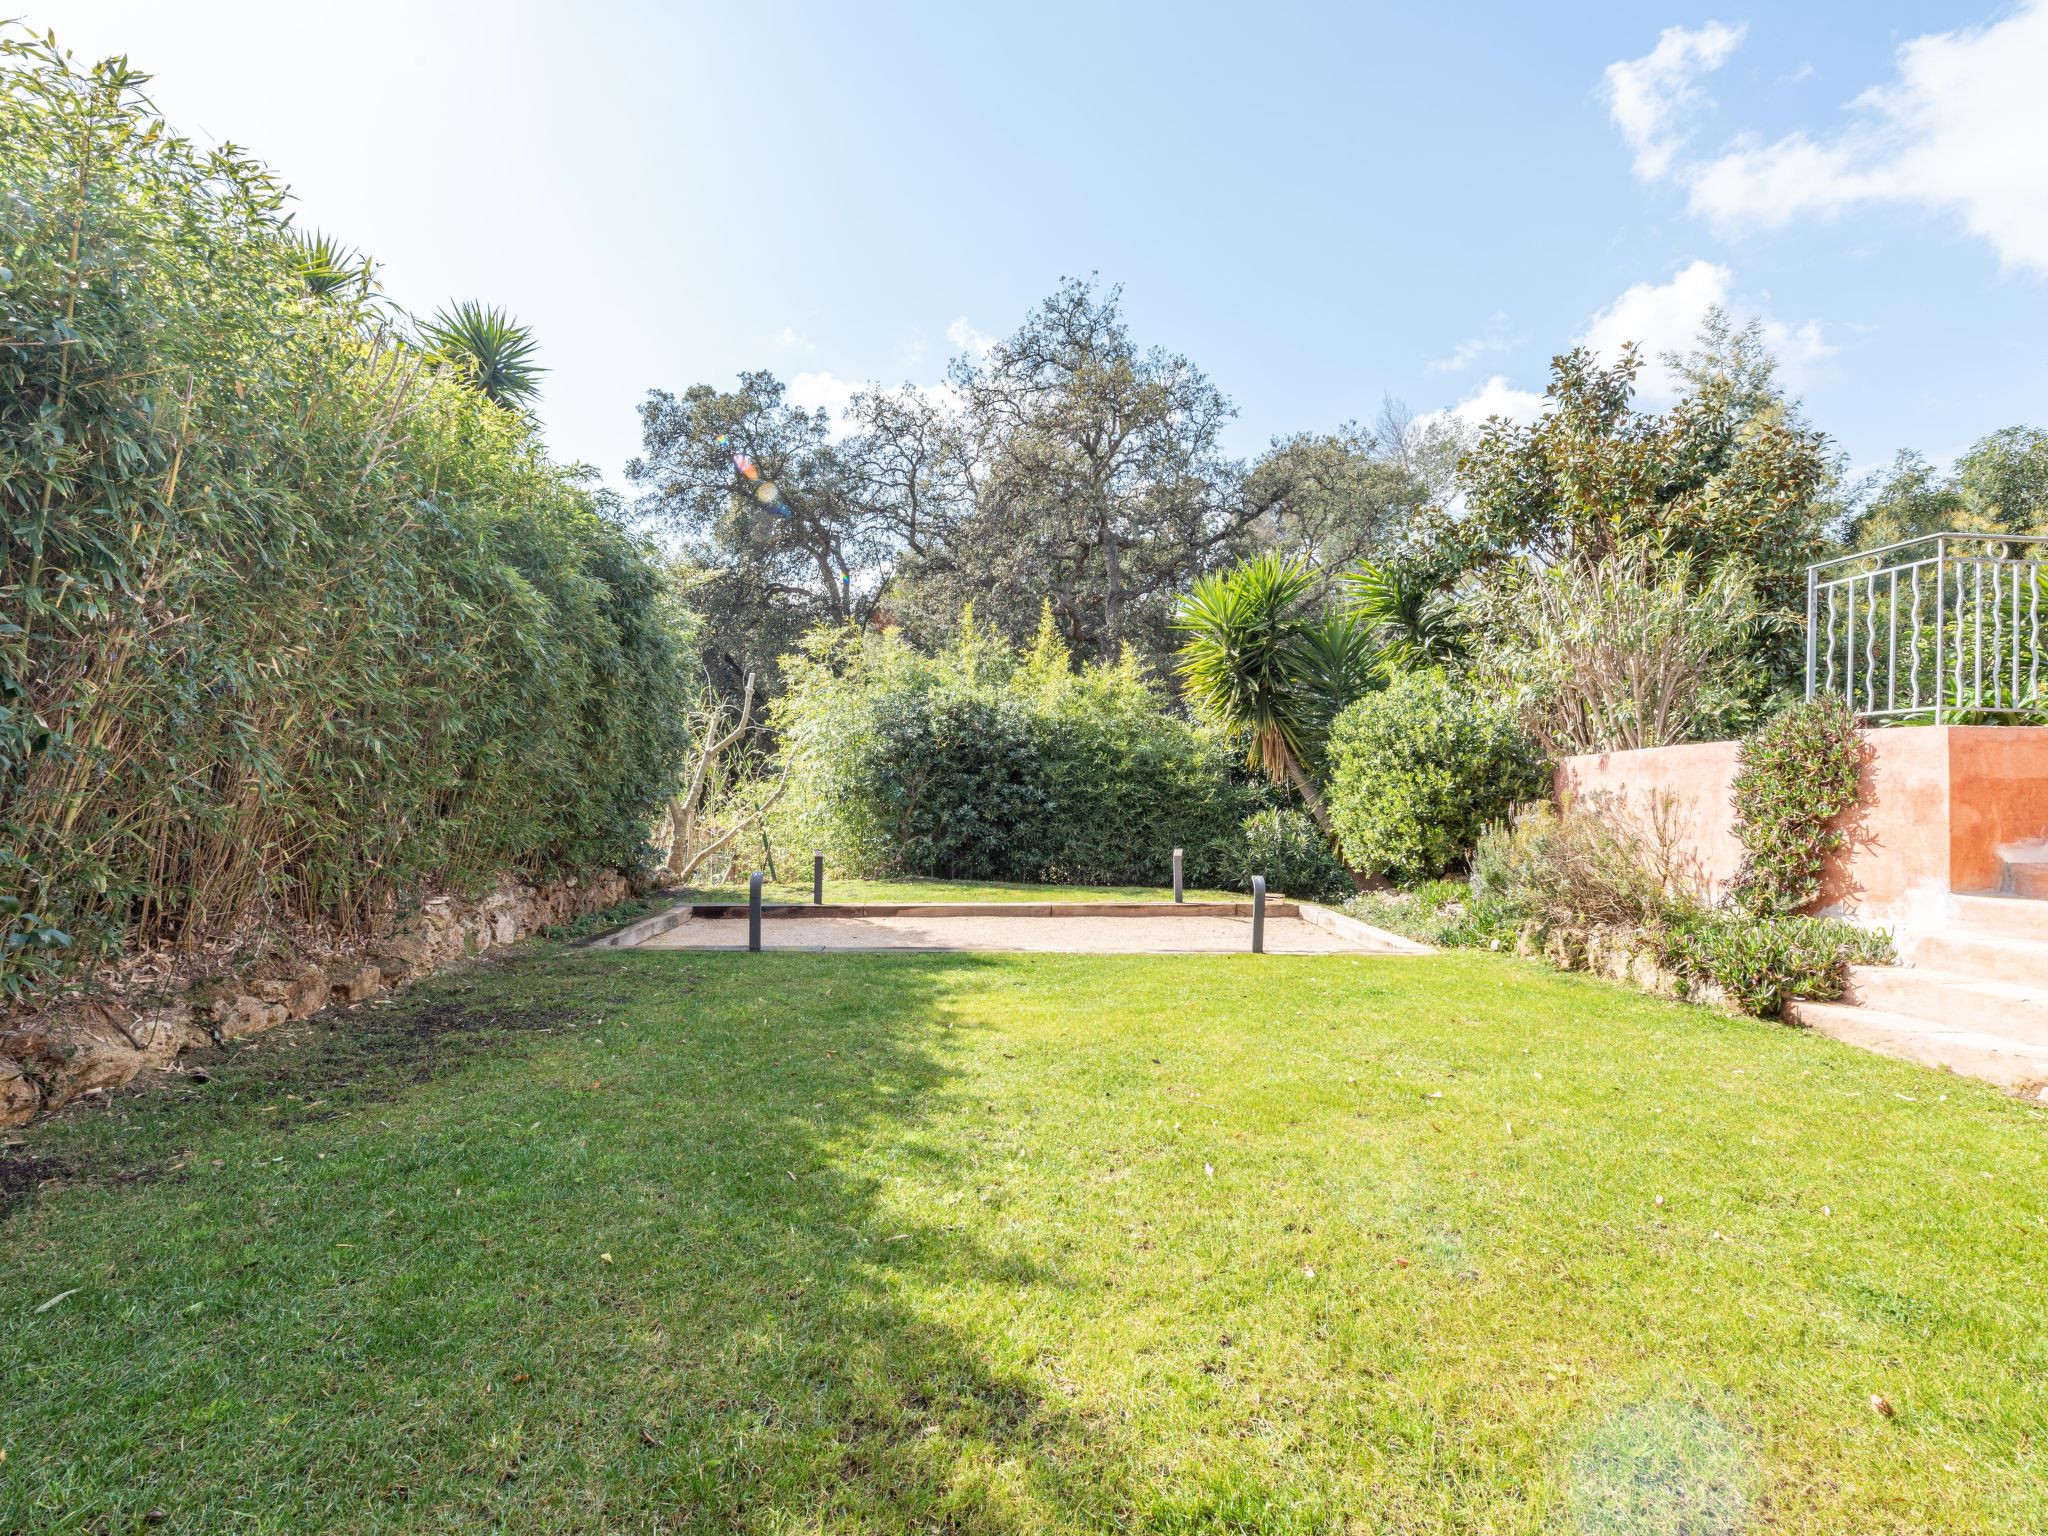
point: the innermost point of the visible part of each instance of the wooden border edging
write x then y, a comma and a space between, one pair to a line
640, 930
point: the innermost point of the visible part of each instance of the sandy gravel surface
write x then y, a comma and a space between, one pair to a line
1094, 935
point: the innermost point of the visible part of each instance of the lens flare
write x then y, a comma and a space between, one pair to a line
764, 490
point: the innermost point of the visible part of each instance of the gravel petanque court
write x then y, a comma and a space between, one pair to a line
1133, 929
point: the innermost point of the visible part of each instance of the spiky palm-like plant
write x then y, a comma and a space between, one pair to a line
329, 267
1413, 621
1257, 659
495, 351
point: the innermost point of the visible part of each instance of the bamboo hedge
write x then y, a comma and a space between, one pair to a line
292, 621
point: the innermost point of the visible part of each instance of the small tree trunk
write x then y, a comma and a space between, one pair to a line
1321, 813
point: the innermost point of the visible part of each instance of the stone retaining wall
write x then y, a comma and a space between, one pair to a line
81, 1045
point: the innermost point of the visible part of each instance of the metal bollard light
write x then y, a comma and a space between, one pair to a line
817, 879
1258, 914
1176, 875
754, 911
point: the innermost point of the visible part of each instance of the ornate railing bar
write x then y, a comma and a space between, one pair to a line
1947, 625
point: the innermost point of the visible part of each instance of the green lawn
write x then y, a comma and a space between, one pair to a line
956, 890
901, 1243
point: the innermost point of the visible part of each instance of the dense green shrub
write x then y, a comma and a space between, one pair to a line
1762, 962
980, 764
1289, 849
1798, 774
1418, 770
291, 621
1632, 649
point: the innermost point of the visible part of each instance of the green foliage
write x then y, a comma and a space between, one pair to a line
330, 268
1413, 620
1448, 913
1591, 868
1763, 962
1797, 775
1632, 649
1418, 770
1289, 849
1584, 867
1259, 661
489, 349
1999, 486
979, 763
288, 623
1716, 476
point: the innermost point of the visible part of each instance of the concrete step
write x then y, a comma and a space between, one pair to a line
2012, 1064
2015, 1009
2029, 880
2017, 917
1979, 954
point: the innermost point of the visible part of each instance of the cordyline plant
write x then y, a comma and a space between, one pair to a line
288, 623
1258, 659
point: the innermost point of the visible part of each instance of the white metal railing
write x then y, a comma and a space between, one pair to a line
1944, 625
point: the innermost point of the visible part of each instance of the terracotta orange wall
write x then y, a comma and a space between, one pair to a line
1936, 805
1998, 797
1695, 781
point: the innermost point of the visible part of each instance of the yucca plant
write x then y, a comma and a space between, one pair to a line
329, 267
492, 349
1258, 659
1413, 621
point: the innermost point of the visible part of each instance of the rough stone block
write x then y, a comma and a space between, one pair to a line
352, 982
247, 1015
20, 1098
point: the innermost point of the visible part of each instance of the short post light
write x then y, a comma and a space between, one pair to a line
754, 912
1176, 875
817, 879
1258, 914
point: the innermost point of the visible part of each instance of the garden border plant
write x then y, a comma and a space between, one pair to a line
1798, 775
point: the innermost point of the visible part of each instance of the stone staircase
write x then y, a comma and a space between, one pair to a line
1971, 995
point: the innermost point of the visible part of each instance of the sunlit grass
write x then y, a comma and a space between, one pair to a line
1018, 1243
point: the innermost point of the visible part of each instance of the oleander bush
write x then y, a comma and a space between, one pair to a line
1286, 846
292, 620
981, 763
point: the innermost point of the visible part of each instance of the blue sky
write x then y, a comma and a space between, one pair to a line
1319, 204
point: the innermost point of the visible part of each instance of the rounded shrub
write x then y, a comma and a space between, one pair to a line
1289, 849
1418, 770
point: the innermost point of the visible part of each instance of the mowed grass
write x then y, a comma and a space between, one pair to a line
1021, 1243
850, 891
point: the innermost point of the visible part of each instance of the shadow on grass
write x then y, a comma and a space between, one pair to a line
595, 1243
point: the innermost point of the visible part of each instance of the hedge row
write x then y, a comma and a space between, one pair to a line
290, 619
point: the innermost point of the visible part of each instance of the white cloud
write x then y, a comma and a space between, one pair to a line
1665, 317
792, 337
1496, 397
1651, 98
1959, 129
967, 339
1658, 318
812, 390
